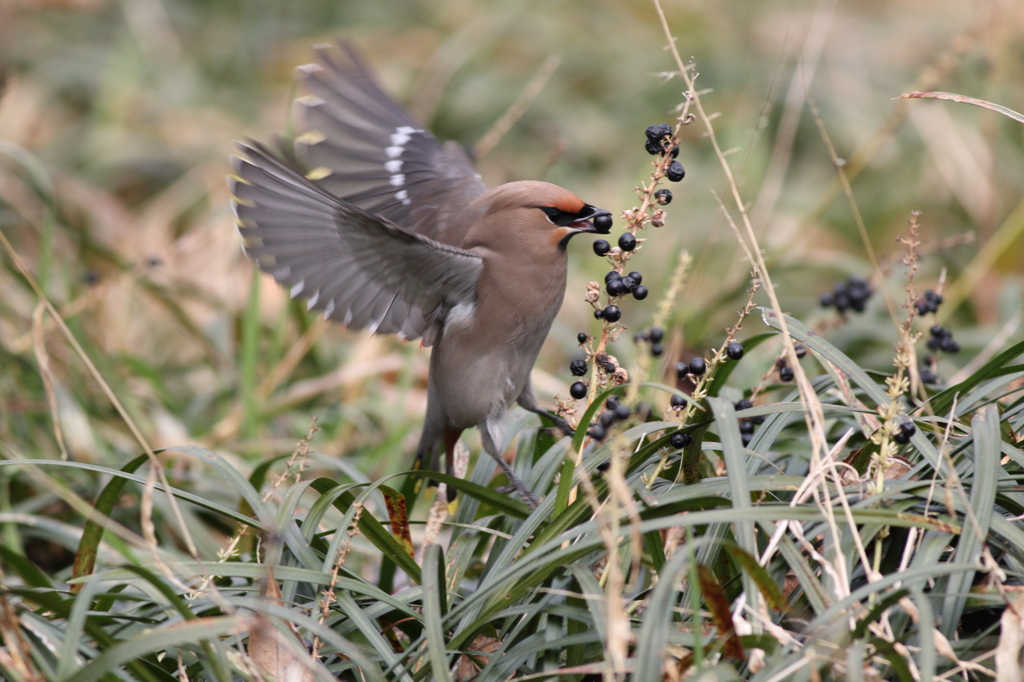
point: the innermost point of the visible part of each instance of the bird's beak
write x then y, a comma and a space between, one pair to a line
593, 219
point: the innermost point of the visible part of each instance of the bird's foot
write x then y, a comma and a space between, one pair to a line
516, 484
565, 427
560, 423
527, 497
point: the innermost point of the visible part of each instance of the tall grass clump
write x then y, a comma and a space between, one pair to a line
780, 470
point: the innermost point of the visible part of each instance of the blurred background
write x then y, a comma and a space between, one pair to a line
117, 120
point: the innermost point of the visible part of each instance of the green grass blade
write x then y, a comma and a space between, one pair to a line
159, 639
986, 436
435, 607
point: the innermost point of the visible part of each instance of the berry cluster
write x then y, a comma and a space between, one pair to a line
619, 285
928, 376
609, 312
907, 429
782, 364
747, 424
942, 339
853, 294
578, 368
696, 367
655, 335
615, 411
929, 304
659, 141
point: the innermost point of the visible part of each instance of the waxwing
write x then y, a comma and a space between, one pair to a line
379, 226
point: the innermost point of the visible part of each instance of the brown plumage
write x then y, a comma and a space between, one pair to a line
391, 231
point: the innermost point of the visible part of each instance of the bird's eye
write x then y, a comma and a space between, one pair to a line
558, 216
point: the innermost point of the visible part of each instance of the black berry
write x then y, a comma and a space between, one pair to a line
602, 247
636, 277
657, 132
734, 351
640, 337
640, 293
653, 147
606, 419
682, 369
656, 334
622, 411
578, 390
746, 426
612, 313
663, 196
616, 287
675, 171
598, 314
597, 432
674, 152
801, 351
578, 367
680, 440
677, 401
627, 242
628, 284
603, 223
744, 404
698, 367
825, 301
612, 402
786, 374
582, 338
657, 349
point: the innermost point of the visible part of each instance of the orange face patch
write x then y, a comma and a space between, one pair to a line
568, 203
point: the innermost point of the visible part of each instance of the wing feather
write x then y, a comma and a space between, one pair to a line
356, 267
363, 147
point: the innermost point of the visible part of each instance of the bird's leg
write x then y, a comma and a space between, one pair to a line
451, 438
428, 452
491, 448
528, 401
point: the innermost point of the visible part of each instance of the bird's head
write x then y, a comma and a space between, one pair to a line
532, 209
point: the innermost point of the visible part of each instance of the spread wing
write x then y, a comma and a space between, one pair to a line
360, 145
359, 269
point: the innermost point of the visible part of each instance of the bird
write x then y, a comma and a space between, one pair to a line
378, 225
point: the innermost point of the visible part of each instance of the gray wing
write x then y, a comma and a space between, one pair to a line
360, 145
359, 269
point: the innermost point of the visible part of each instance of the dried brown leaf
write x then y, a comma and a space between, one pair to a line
1011, 641
718, 605
470, 664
